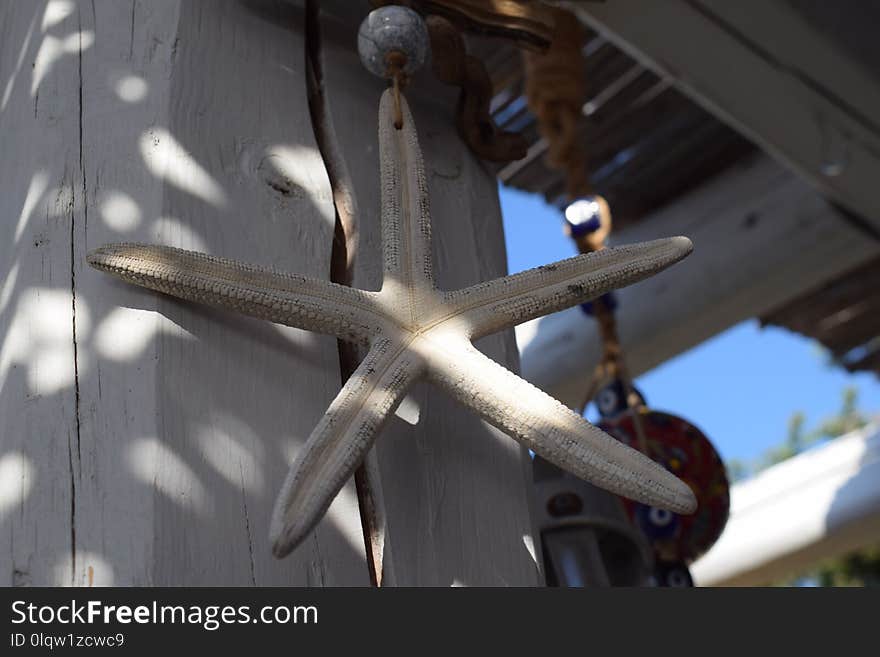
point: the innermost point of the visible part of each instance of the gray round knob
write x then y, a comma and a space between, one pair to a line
392, 29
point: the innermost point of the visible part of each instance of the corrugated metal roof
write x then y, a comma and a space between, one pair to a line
843, 315
647, 144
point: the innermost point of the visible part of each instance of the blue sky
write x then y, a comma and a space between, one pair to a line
740, 387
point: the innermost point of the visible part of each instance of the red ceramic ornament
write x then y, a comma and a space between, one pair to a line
684, 450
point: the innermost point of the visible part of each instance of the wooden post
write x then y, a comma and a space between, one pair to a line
144, 439
455, 507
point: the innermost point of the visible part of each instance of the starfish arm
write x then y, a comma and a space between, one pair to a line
341, 440
555, 432
290, 299
406, 221
504, 302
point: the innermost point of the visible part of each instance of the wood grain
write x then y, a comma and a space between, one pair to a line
762, 236
454, 489
180, 123
800, 98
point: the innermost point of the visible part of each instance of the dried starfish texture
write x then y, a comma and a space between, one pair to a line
415, 330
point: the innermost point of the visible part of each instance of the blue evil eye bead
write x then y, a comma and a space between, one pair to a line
657, 524
685, 451
674, 574
589, 215
612, 399
392, 29
583, 216
609, 299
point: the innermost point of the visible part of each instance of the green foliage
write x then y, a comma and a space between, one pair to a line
795, 443
857, 569
848, 419
860, 568
737, 470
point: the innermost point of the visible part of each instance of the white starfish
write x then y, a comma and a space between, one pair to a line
415, 330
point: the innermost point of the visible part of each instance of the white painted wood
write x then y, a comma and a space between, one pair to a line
761, 237
818, 505
183, 123
454, 489
760, 68
777, 28
41, 196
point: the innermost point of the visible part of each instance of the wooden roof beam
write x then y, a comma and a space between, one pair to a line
818, 505
762, 237
763, 69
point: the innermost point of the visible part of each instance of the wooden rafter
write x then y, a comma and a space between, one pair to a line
762, 237
799, 97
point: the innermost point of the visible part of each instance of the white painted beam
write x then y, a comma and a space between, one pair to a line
760, 67
820, 504
761, 237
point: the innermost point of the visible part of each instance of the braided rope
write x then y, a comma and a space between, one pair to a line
556, 93
452, 65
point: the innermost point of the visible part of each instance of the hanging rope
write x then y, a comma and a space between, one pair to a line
523, 23
556, 93
452, 65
